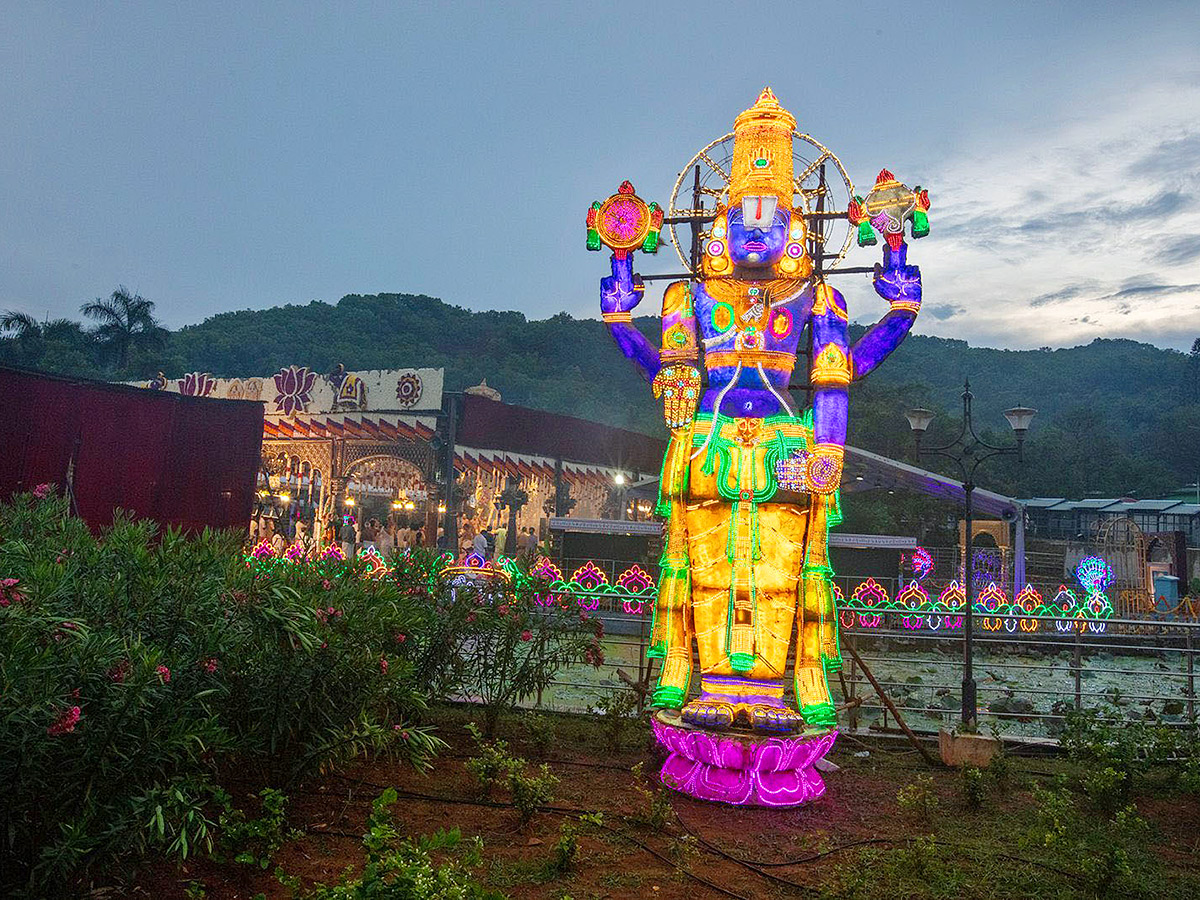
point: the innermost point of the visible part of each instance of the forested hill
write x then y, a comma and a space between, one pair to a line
1115, 416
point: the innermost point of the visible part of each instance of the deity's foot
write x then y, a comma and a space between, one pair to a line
820, 715
708, 713
777, 719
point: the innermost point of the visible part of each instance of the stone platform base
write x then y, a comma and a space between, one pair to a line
743, 769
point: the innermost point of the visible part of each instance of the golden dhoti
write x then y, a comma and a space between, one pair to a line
745, 565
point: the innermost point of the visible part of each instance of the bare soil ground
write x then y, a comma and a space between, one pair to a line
856, 841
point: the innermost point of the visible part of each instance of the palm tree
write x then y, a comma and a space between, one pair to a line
22, 325
125, 321
31, 338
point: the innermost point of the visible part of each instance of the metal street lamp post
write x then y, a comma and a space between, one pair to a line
969, 451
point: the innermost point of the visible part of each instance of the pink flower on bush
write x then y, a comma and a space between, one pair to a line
401, 638
65, 723
42, 491
527, 635
164, 673
383, 664
325, 584
8, 592
118, 672
470, 618
209, 665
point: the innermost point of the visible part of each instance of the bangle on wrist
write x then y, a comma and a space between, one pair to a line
912, 306
618, 316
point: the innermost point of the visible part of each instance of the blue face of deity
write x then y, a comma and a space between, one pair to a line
756, 248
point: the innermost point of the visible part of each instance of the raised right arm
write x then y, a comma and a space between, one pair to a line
619, 294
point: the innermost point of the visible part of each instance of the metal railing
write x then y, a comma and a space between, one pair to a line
1027, 681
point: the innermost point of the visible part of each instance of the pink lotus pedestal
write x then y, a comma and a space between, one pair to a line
743, 769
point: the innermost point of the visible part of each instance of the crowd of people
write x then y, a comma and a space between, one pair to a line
347, 530
354, 534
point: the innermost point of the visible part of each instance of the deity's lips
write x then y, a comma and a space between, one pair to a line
758, 246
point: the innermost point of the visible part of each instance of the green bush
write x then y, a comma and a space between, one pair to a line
255, 841
918, 799
490, 767
134, 666
1108, 850
404, 868
974, 787
516, 642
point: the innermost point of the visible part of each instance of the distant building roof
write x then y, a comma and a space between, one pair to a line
490, 425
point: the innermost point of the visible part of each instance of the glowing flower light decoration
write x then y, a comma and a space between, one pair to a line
589, 577
1094, 574
376, 567
544, 568
332, 553
262, 550
870, 593
636, 581
921, 562
915, 598
1029, 600
952, 597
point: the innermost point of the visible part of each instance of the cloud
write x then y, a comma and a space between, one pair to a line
1089, 227
944, 311
1179, 250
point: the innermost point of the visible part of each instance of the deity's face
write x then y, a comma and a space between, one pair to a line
756, 240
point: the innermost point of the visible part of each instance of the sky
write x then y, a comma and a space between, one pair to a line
220, 156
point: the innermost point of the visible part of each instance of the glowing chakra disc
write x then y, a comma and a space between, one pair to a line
624, 222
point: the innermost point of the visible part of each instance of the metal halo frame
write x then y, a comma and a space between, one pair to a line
719, 168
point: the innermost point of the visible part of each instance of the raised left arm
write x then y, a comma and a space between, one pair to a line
900, 285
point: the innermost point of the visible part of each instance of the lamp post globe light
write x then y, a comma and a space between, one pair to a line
968, 451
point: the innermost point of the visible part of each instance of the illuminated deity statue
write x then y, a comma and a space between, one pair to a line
749, 485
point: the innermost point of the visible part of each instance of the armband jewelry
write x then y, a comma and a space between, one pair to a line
672, 357
831, 367
618, 316
912, 306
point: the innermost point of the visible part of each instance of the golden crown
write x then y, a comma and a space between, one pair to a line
762, 152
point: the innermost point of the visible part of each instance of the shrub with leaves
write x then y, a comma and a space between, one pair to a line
1109, 850
919, 799
617, 710
516, 644
135, 664
974, 787
491, 765
255, 841
399, 867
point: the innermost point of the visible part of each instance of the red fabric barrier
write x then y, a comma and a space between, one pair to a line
185, 461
